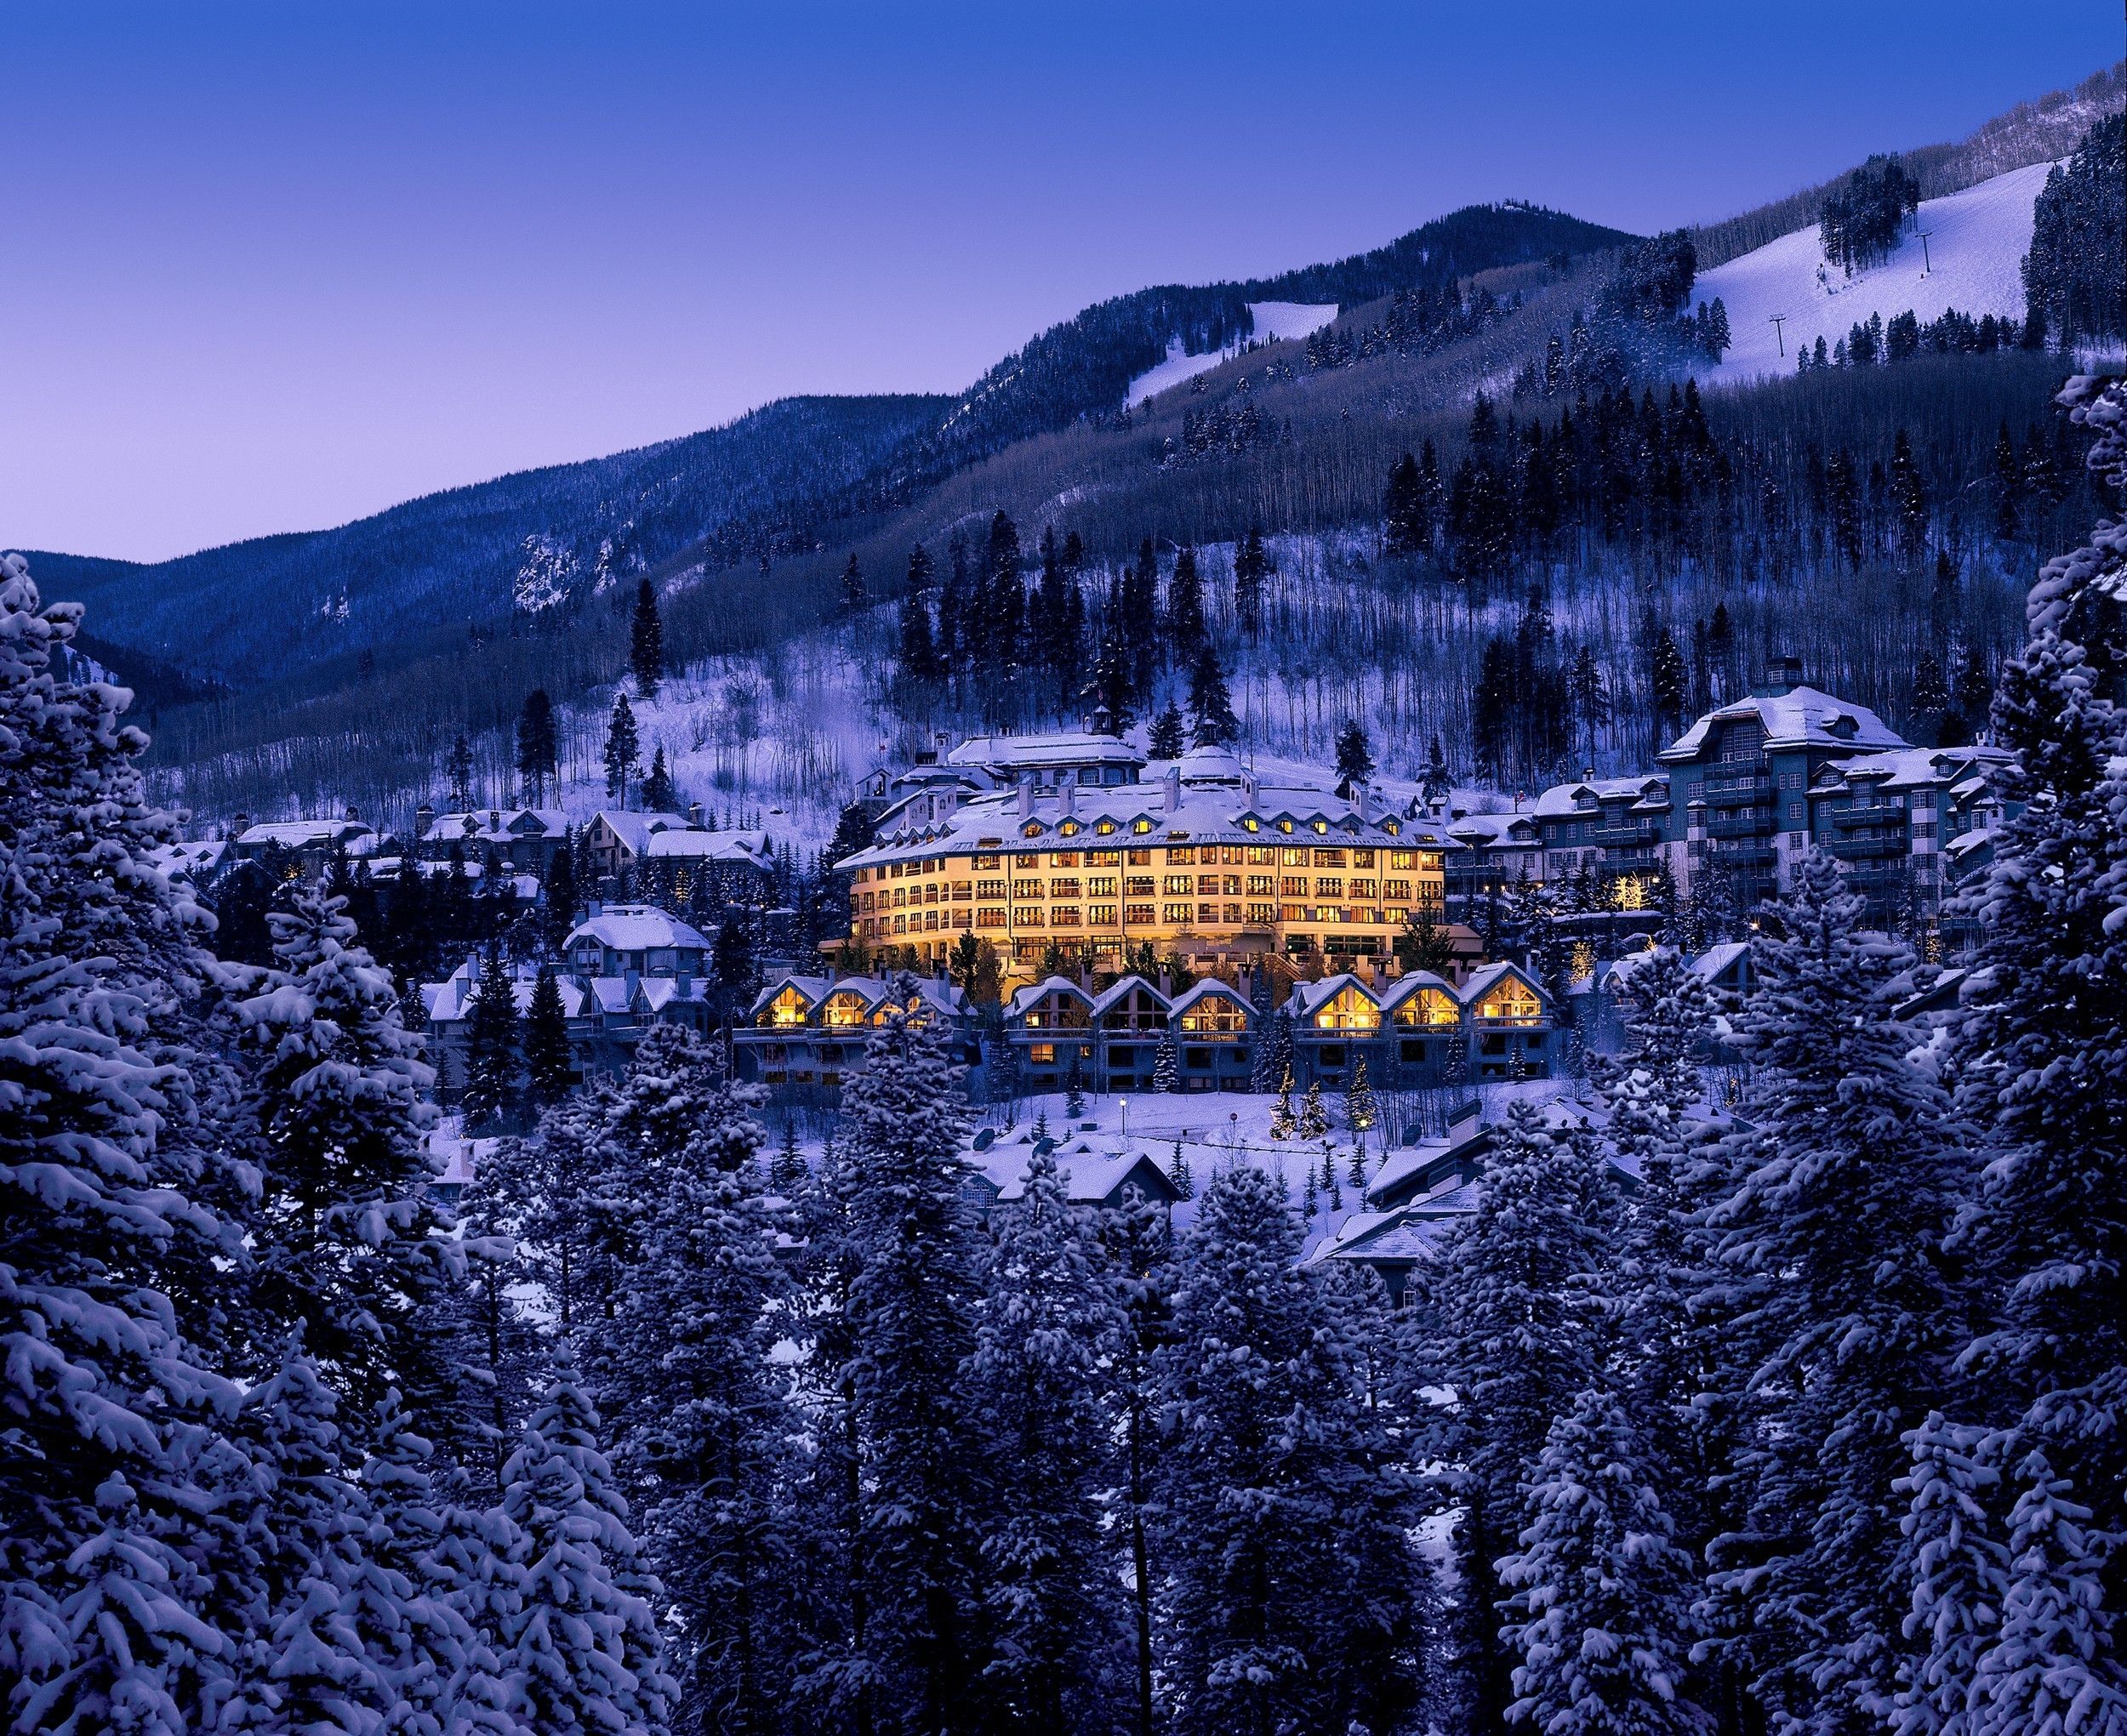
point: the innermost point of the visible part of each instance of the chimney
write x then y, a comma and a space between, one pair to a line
694, 814
1068, 793
1783, 674
353, 813
240, 825
1362, 803
1171, 778
423, 820
1026, 798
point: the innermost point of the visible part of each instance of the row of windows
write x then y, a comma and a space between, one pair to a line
1178, 855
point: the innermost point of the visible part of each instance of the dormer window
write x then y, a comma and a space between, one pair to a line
1104, 827
1070, 828
1031, 829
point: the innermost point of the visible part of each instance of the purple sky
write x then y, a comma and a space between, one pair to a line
272, 267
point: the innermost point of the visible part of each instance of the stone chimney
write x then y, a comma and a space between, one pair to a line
1363, 802
694, 814
1068, 796
423, 820
353, 813
1172, 779
1026, 798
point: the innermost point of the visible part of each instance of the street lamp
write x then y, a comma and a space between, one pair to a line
1125, 1101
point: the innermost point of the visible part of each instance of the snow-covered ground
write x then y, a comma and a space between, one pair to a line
1276, 321
1974, 253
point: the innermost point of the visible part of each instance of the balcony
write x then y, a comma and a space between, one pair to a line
1632, 861
1740, 793
1869, 814
1743, 856
1753, 824
1867, 849
1625, 836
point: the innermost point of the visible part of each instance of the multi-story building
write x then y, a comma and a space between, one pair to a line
680, 857
1617, 828
1894, 821
1206, 863
807, 1032
309, 846
1113, 1038
1420, 1030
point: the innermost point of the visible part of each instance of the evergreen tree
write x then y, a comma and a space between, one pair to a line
491, 1030
538, 745
1355, 755
1141, 1274
1046, 1318
1282, 1123
1438, 783
918, 654
1212, 721
1314, 1123
1602, 1591
346, 1240
1406, 511
1666, 686
1185, 607
624, 749
1252, 568
558, 897
856, 595
910, 1314
582, 1649
549, 1063
1111, 688
1165, 1065
658, 795
1515, 1292
1165, 740
1074, 1088
646, 642
119, 1225
1360, 1109
458, 774
1292, 1591
2044, 1218
1831, 1244
691, 1394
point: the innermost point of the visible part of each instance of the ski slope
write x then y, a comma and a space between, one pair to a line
1276, 321
1974, 255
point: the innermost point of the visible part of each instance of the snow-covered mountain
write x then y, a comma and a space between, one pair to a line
1274, 322
1967, 252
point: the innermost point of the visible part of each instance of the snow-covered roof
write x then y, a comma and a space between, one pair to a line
1493, 829
948, 997
1211, 987
1912, 768
305, 834
1965, 843
1583, 796
496, 826
632, 928
1413, 982
752, 848
1008, 753
1119, 990
1480, 981
1707, 965
1310, 998
452, 997
1033, 992
636, 830
190, 857
1801, 717
1208, 810
1089, 1176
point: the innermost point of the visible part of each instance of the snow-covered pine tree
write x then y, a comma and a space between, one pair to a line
113, 1256
476, 1565
1600, 1618
1958, 1569
1047, 1315
1140, 1270
307, 1663
1166, 1065
1841, 1200
2045, 1222
549, 1065
347, 1240
492, 1066
1282, 1537
1167, 739
1273, 1067
1514, 1294
1314, 1122
1282, 1123
1361, 1109
696, 1414
646, 642
910, 1312
581, 1650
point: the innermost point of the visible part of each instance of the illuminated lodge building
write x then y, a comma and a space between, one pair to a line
1202, 863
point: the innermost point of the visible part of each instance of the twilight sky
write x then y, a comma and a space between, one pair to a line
272, 267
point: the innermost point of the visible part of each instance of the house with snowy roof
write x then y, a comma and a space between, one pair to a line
309, 846
1421, 1190
1418, 1030
803, 1032
528, 839
1894, 821
1094, 1181
679, 857
1113, 1038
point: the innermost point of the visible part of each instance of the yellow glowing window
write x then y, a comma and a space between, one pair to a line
1349, 1011
1141, 825
1032, 830
843, 1011
1513, 1002
1069, 828
1250, 824
786, 1009
1428, 1006
1105, 827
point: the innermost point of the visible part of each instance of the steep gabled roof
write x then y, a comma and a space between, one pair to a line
1801, 717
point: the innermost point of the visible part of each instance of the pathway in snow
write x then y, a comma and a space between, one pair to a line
1974, 250
1276, 321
